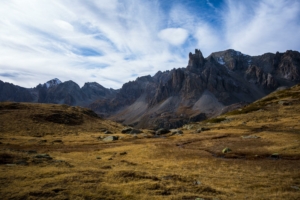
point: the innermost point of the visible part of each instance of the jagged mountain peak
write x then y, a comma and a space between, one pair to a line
92, 85
52, 82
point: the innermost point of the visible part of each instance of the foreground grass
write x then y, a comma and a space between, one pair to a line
187, 166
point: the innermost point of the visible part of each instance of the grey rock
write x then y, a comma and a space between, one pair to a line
135, 131
162, 131
176, 132
275, 156
295, 187
57, 141
110, 138
43, 156
107, 132
126, 130
198, 130
197, 182
11, 165
204, 129
22, 162
226, 150
250, 137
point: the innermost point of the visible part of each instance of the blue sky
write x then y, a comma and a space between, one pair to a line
112, 42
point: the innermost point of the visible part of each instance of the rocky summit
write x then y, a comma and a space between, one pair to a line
207, 87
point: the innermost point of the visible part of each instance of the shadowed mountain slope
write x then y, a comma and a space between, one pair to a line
207, 87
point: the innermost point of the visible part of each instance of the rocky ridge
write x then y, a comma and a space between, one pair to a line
207, 87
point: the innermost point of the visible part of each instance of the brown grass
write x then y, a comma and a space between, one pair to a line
172, 167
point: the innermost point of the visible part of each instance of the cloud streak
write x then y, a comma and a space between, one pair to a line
112, 42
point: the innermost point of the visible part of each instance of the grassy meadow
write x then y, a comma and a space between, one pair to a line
58, 152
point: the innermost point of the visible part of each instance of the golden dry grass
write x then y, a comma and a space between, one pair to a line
173, 167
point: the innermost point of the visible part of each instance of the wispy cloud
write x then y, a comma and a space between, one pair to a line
112, 42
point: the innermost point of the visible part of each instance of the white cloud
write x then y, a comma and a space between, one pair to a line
270, 26
112, 42
64, 25
174, 36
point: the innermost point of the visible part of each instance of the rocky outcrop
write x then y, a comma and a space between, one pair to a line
205, 88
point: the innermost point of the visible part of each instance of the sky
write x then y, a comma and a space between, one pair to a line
112, 42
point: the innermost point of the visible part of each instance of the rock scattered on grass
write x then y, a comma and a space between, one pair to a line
250, 137
130, 130
162, 131
107, 132
57, 141
226, 150
110, 138
176, 132
11, 165
126, 130
204, 129
135, 131
123, 153
197, 182
295, 187
198, 131
275, 155
43, 156
102, 130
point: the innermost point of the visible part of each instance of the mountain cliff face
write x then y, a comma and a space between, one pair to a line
207, 87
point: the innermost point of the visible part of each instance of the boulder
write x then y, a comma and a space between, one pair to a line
250, 137
176, 132
43, 156
275, 156
204, 129
226, 150
126, 130
107, 132
198, 131
135, 131
162, 131
110, 138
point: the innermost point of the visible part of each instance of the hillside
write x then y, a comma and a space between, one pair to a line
249, 153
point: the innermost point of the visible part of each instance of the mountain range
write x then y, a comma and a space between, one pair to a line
207, 87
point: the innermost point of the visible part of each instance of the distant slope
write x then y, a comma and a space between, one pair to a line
258, 130
55, 91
